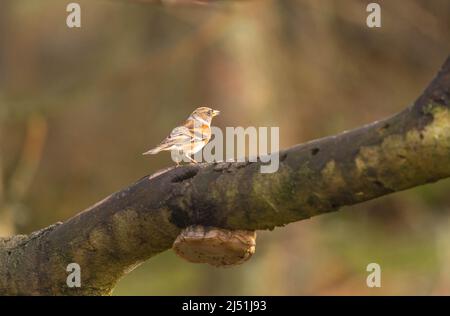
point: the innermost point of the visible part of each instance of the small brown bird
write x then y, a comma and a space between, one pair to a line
190, 137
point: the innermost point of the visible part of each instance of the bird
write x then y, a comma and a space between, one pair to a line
190, 137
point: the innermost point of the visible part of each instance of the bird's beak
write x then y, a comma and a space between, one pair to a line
215, 113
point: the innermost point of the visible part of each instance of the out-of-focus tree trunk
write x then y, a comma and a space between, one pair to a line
13, 209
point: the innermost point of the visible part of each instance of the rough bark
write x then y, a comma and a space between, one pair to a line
113, 236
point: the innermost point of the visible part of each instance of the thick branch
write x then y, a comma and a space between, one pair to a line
107, 240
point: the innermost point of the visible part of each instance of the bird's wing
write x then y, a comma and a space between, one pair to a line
198, 131
180, 133
178, 137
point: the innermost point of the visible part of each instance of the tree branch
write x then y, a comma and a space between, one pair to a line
113, 236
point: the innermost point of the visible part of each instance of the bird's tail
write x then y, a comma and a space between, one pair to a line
152, 151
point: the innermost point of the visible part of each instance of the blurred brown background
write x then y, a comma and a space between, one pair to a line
79, 106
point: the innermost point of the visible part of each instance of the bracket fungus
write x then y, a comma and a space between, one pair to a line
215, 246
